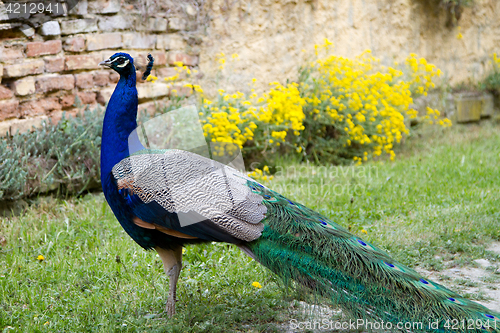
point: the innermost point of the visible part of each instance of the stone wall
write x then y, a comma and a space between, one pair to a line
44, 71
269, 35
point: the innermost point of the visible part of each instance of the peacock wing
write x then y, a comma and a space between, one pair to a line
194, 188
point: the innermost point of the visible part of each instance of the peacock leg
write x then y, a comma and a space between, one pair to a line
172, 264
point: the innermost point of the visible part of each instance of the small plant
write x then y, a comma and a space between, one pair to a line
492, 81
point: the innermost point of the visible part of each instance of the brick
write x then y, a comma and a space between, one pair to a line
115, 22
180, 91
156, 24
103, 95
43, 48
27, 30
160, 58
152, 90
55, 82
139, 41
74, 44
50, 28
114, 77
54, 65
87, 61
151, 107
12, 52
140, 61
104, 41
138, 76
5, 93
191, 11
24, 86
87, 97
148, 107
101, 79
56, 116
39, 106
186, 59
104, 7
177, 43
84, 80
177, 23
9, 109
21, 125
167, 72
23, 69
78, 26
49, 104
163, 42
81, 8
67, 100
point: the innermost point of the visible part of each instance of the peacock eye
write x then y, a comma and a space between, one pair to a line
120, 61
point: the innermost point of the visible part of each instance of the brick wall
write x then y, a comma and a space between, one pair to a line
44, 71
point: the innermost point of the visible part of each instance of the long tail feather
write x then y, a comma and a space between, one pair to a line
300, 244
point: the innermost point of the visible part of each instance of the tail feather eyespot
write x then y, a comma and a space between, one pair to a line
490, 316
456, 301
393, 266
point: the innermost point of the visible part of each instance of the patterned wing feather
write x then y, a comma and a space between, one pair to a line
195, 188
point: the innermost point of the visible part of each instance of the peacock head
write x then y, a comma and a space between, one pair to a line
122, 63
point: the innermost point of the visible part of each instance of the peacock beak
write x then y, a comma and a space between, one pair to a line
106, 63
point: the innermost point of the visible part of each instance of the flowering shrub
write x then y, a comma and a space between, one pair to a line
357, 109
341, 110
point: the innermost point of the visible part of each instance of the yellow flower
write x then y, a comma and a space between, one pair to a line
40, 258
364, 231
183, 250
256, 285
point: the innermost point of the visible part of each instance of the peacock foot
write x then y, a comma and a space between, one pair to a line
170, 308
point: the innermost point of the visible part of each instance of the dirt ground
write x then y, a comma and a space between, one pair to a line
480, 281
484, 279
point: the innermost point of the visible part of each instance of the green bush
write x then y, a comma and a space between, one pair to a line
62, 157
492, 81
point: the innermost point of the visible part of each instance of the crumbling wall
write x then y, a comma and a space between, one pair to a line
270, 35
45, 69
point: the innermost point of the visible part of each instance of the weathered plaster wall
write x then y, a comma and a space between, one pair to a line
44, 70
269, 35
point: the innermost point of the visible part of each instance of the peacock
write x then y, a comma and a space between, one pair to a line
165, 199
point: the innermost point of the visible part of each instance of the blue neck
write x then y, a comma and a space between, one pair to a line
119, 122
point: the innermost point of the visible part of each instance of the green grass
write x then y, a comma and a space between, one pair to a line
438, 203
439, 199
